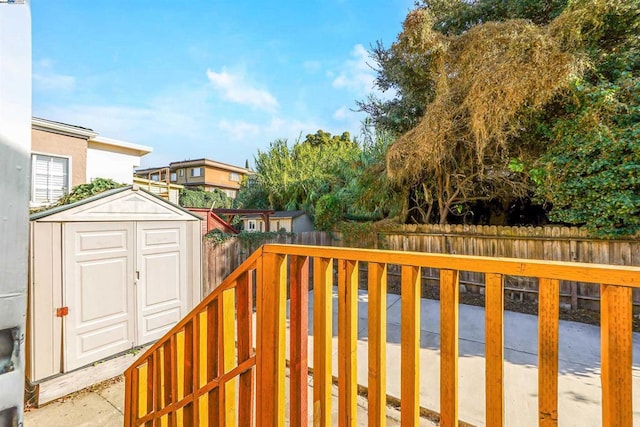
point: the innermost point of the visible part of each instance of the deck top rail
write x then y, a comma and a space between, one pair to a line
206, 370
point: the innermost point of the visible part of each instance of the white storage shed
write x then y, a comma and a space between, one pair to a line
107, 274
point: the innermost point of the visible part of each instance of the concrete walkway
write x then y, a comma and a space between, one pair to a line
100, 405
579, 366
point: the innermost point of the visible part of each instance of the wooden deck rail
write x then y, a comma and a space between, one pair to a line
205, 370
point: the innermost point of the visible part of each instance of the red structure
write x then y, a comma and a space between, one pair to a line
213, 221
231, 213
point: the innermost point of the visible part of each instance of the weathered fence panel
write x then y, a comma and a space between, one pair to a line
551, 243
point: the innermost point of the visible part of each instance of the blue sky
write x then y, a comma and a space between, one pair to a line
207, 78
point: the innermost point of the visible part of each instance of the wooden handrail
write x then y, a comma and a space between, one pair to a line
204, 370
590, 273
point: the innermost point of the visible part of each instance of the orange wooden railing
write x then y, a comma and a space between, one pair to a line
205, 370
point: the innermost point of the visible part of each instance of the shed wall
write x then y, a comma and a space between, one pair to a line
44, 339
44, 334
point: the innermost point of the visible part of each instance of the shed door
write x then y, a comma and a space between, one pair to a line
161, 291
98, 290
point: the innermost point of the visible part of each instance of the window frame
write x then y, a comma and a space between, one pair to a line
32, 176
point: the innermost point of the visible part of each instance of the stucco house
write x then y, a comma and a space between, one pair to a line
289, 221
65, 155
205, 173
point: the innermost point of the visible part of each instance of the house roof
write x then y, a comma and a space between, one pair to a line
62, 128
103, 215
278, 214
141, 149
173, 166
208, 162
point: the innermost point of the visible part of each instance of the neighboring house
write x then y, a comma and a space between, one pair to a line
110, 158
64, 155
205, 173
290, 221
168, 191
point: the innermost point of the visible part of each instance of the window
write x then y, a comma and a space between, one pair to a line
173, 177
230, 193
251, 225
181, 172
195, 172
234, 177
155, 177
49, 178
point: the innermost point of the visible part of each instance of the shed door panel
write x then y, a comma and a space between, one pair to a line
98, 290
162, 278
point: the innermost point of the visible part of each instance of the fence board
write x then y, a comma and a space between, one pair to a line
543, 243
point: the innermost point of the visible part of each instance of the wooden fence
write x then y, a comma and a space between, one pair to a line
220, 259
541, 243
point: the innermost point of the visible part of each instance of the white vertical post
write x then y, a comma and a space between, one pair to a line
15, 150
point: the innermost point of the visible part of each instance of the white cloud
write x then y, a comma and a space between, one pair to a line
239, 129
46, 79
342, 113
235, 89
312, 66
356, 75
276, 127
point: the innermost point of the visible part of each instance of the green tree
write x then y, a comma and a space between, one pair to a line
488, 80
199, 198
461, 125
297, 177
325, 138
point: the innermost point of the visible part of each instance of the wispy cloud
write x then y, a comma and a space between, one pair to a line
349, 119
46, 79
312, 66
276, 127
355, 74
234, 88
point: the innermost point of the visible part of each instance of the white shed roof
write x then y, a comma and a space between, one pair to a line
120, 204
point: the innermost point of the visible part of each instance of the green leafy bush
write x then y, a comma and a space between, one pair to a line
199, 198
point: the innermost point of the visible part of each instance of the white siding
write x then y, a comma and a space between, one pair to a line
104, 163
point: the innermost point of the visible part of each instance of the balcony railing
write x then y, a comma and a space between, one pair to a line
211, 370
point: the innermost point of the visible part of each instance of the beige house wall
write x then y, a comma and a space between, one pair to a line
221, 177
213, 177
65, 146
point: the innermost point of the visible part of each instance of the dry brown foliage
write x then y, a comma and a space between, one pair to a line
485, 78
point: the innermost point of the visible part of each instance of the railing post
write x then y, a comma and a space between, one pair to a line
130, 402
228, 352
322, 317
548, 315
616, 354
347, 342
410, 346
299, 332
494, 332
270, 364
377, 286
244, 307
214, 343
449, 295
